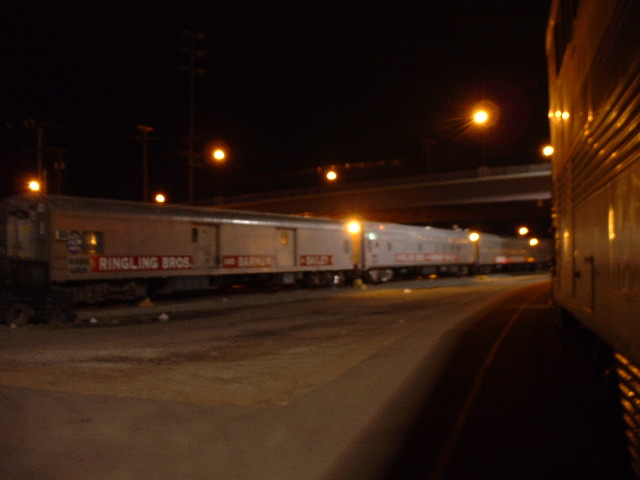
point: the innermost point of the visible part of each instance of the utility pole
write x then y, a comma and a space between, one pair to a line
59, 166
194, 55
145, 130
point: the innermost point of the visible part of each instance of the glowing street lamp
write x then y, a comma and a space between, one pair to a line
160, 198
480, 117
523, 231
548, 150
331, 175
354, 227
218, 155
34, 185
533, 242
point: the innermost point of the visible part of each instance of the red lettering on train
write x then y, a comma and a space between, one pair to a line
426, 257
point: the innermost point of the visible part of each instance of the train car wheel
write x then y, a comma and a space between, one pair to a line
19, 314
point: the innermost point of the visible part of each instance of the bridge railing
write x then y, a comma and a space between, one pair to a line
535, 169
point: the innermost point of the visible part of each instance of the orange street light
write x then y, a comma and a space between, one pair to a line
160, 198
34, 185
485, 114
331, 175
548, 150
523, 231
354, 226
218, 155
480, 117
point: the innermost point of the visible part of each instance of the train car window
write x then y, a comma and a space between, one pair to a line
284, 238
194, 235
92, 242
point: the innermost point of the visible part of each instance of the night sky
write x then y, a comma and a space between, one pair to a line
287, 86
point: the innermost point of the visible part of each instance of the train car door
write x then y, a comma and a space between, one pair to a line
589, 239
21, 235
205, 245
286, 253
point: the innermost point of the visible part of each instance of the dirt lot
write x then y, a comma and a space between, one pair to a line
279, 385
253, 354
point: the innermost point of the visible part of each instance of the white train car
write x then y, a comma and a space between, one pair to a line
106, 249
496, 253
593, 53
390, 249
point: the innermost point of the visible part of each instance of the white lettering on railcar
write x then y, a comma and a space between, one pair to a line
247, 261
77, 265
316, 260
113, 263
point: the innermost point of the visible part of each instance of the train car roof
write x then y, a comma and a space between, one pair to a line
88, 206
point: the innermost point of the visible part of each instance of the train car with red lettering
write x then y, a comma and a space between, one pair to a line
391, 250
117, 250
593, 53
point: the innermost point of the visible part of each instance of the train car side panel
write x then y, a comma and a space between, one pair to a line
594, 73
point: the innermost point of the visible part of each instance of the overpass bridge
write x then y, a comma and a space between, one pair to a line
490, 198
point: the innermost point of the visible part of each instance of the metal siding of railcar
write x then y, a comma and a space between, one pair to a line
124, 236
398, 246
489, 249
335, 242
596, 172
168, 223
187, 213
259, 243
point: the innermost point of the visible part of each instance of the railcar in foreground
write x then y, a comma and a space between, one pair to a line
593, 52
101, 250
105, 249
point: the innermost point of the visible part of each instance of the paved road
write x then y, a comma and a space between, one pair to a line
518, 399
298, 385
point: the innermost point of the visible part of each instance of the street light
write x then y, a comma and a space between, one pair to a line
33, 185
331, 175
523, 231
480, 117
548, 150
160, 198
218, 155
485, 113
